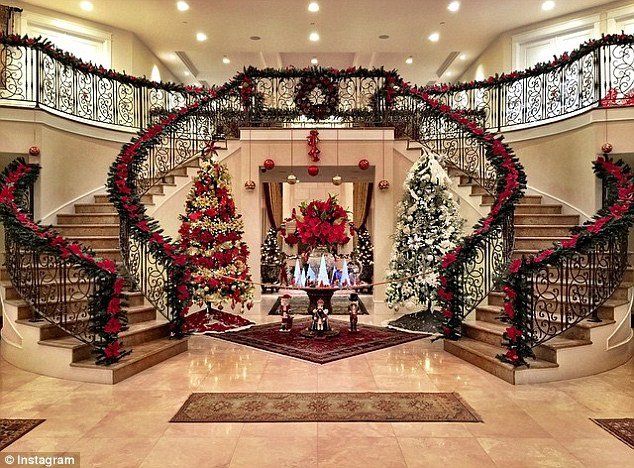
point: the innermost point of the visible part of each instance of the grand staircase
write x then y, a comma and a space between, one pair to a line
537, 226
95, 225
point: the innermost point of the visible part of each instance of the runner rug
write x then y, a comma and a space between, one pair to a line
319, 350
325, 407
622, 429
12, 429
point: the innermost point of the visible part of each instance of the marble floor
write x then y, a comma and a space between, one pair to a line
126, 425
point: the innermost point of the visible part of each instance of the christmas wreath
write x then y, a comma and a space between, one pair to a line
316, 97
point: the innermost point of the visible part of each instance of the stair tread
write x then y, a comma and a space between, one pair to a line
556, 238
489, 351
71, 342
87, 225
46, 324
609, 302
541, 226
139, 352
585, 323
94, 204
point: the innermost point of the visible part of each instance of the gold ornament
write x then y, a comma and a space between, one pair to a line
337, 180
291, 179
249, 185
607, 148
384, 185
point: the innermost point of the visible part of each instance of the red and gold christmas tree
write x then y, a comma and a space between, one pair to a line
211, 236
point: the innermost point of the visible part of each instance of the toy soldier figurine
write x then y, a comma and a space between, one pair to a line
285, 309
353, 310
320, 318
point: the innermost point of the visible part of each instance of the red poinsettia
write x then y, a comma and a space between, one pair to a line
320, 222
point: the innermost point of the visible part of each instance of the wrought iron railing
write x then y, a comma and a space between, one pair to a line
598, 73
550, 292
62, 282
482, 259
36, 74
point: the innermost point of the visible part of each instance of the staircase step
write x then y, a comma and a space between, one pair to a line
145, 199
94, 208
133, 298
526, 199
543, 230
550, 219
605, 310
483, 355
143, 356
97, 242
88, 218
541, 208
111, 254
539, 243
137, 334
88, 229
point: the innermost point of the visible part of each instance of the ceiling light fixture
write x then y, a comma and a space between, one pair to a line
313, 7
226, 60
255, 38
86, 5
462, 57
314, 36
186, 73
384, 36
200, 37
409, 60
314, 61
182, 6
548, 5
434, 37
448, 73
453, 7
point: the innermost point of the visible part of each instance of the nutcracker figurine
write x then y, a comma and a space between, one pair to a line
320, 318
353, 310
285, 309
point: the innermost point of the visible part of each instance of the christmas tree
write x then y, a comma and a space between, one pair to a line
428, 226
364, 253
272, 257
211, 236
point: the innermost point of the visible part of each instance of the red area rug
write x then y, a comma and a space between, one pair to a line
319, 350
206, 323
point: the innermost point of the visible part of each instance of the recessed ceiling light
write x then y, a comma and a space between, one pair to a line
182, 6
255, 38
186, 73
226, 60
453, 6
313, 7
462, 57
409, 60
384, 36
448, 73
86, 5
314, 61
314, 36
548, 5
434, 37
200, 37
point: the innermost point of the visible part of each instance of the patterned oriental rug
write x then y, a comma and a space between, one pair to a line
319, 350
12, 429
622, 429
325, 407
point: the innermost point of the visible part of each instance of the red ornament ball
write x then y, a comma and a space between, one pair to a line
249, 185
607, 148
364, 164
384, 185
269, 164
34, 150
313, 170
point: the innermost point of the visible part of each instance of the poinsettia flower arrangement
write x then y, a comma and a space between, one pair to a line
318, 223
106, 315
618, 216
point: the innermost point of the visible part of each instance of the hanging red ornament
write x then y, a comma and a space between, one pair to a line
607, 148
384, 185
249, 185
313, 170
313, 140
34, 150
364, 164
269, 164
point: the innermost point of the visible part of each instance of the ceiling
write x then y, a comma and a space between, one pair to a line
349, 31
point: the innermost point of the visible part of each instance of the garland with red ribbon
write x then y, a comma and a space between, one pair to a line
313, 150
107, 318
605, 224
511, 181
539, 69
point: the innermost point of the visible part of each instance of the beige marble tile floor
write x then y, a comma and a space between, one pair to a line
126, 425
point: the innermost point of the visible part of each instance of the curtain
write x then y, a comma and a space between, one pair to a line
361, 202
273, 202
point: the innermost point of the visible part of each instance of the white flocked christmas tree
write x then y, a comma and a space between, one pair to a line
428, 225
